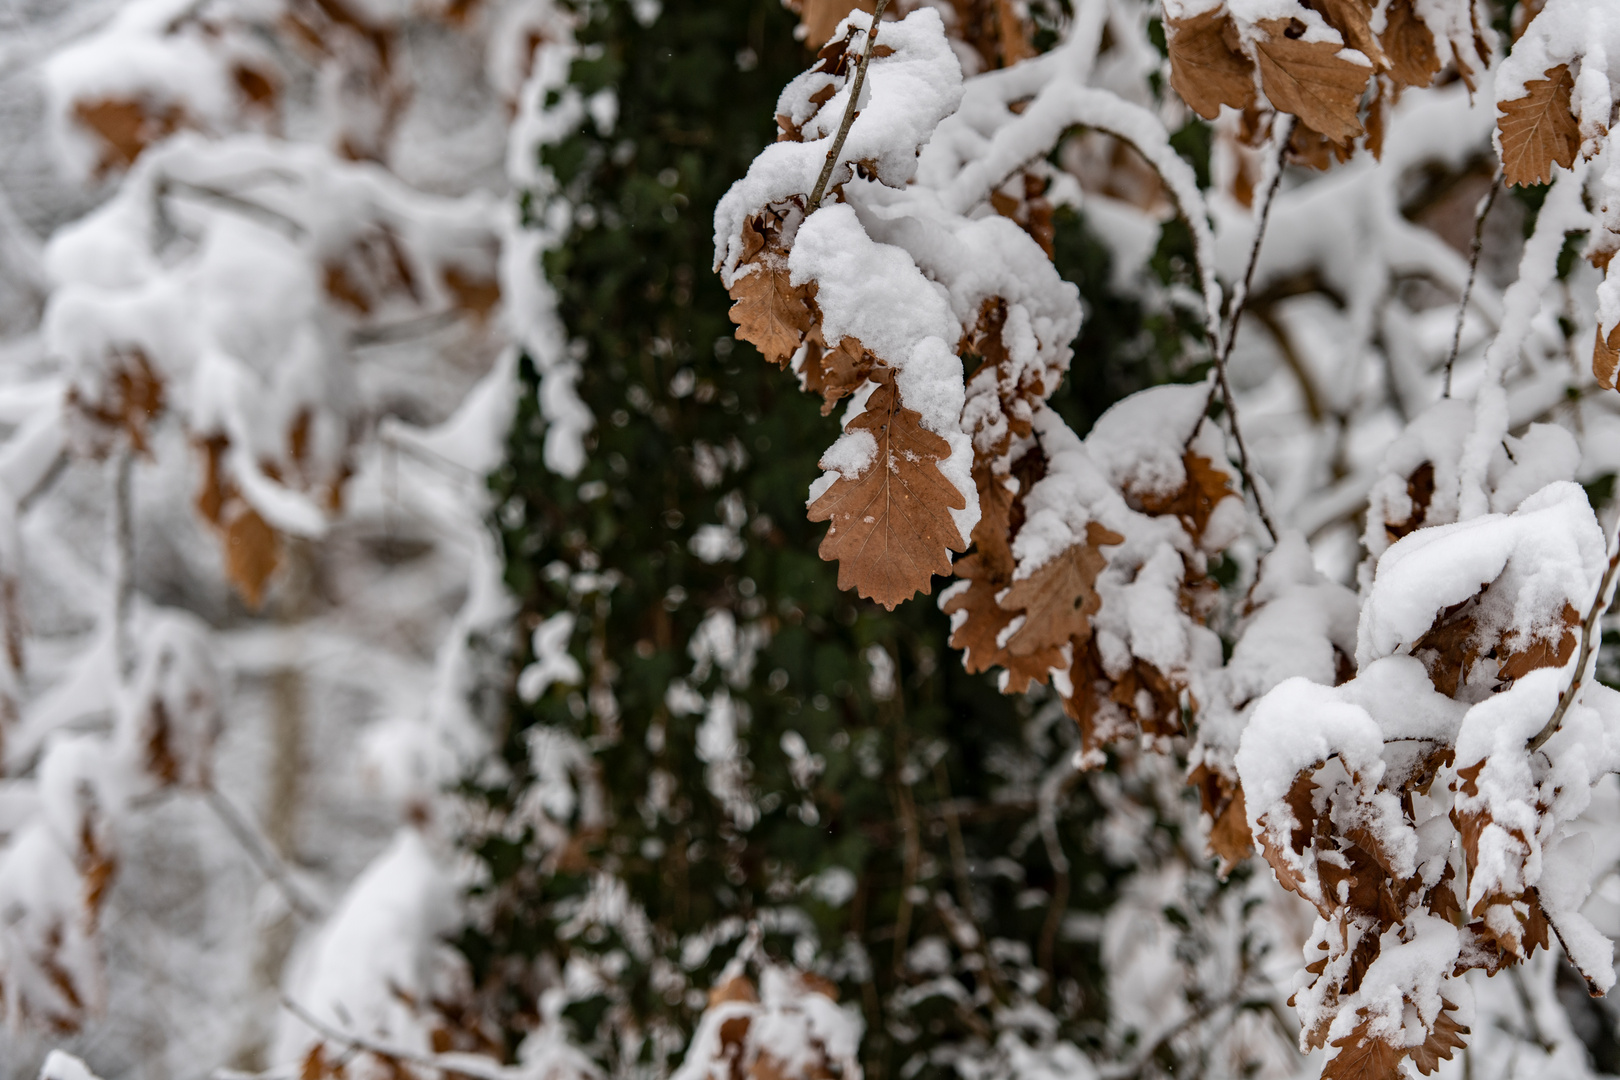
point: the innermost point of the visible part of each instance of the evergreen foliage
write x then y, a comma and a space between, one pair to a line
908, 790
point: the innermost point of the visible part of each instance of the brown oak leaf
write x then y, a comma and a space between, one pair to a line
1409, 45
834, 373
1606, 357
891, 528
771, 313
1195, 500
1363, 1057
1059, 599
1207, 66
1311, 79
1446, 1036
1538, 130
988, 571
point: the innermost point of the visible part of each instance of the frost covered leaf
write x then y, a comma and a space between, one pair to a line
1207, 65
1311, 79
1363, 1056
1195, 501
1408, 44
1059, 599
1456, 643
771, 313
1352, 19
1606, 357
891, 528
1538, 130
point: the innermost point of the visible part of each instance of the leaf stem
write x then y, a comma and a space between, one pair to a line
849, 114
1480, 215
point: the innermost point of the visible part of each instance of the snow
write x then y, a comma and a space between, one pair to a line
1552, 543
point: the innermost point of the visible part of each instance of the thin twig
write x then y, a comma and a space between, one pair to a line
246, 207
123, 599
1473, 268
1053, 788
849, 114
263, 856
465, 1064
1589, 643
1240, 298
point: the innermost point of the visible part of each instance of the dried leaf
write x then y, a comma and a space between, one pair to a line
372, 270
1449, 648
1059, 599
819, 18
1363, 1057
1409, 45
1207, 66
771, 313
1312, 149
126, 127
834, 373
988, 571
1352, 19
1538, 130
891, 528
1195, 501
1606, 356
1224, 806
736, 988
472, 293
1311, 80
130, 398
1445, 1037
1013, 33
1541, 651
1419, 491
252, 550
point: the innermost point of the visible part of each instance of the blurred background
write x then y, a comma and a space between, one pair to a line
412, 625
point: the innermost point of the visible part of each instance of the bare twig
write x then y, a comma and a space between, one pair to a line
275, 219
262, 854
1240, 297
1592, 988
849, 114
1480, 215
473, 1065
1053, 788
123, 598
1590, 637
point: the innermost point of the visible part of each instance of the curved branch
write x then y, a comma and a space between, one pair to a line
850, 112
1589, 643
1480, 215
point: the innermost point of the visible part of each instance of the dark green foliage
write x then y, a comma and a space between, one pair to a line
926, 795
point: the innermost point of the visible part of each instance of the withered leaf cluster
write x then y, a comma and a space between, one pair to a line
1338, 83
